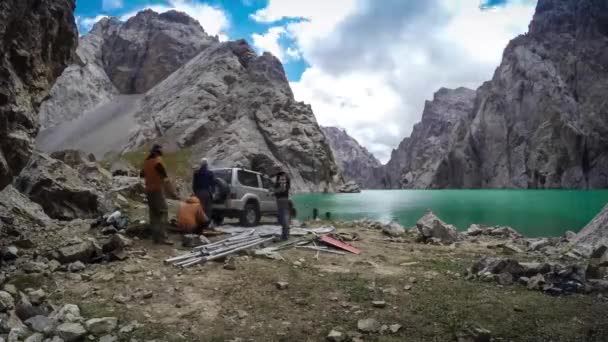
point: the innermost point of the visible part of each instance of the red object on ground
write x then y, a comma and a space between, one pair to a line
339, 244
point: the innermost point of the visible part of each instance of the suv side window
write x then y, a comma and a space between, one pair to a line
267, 183
248, 179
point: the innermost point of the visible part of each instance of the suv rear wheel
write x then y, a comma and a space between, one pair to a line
251, 215
217, 218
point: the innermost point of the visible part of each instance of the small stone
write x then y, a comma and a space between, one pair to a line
69, 313
242, 314
108, 338
282, 285
10, 288
336, 336
407, 287
379, 304
368, 325
37, 337
10, 253
73, 276
121, 299
76, 267
394, 328
34, 267
17, 334
101, 326
116, 242
37, 297
41, 324
53, 265
536, 282
6, 301
71, 331
297, 263
147, 295
230, 264
109, 230
505, 279
383, 329
413, 280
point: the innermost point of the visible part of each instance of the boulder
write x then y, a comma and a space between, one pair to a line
37, 297
497, 266
34, 267
69, 313
60, 190
36, 337
474, 230
73, 158
9, 253
368, 325
350, 187
536, 282
539, 244
80, 251
336, 336
393, 229
116, 242
37, 41
76, 266
6, 301
505, 232
430, 226
101, 326
41, 324
593, 234
70, 332
505, 278
130, 187
25, 310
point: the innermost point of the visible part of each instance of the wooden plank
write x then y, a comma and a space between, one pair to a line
339, 244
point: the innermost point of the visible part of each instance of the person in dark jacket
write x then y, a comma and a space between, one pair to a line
203, 185
281, 189
156, 179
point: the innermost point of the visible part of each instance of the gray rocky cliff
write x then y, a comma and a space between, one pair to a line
354, 160
542, 121
434, 136
83, 85
237, 109
37, 42
594, 234
149, 47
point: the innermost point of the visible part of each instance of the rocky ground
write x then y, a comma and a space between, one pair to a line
72, 282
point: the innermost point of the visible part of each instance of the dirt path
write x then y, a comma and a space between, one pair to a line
423, 288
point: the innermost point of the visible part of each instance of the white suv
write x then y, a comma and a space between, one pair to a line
244, 194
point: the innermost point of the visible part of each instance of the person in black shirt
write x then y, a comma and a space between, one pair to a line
281, 192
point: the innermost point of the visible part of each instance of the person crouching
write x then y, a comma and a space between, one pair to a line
190, 216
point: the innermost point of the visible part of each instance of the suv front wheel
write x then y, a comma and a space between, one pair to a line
251, 215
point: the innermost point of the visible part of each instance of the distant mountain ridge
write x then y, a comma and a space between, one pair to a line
354, 160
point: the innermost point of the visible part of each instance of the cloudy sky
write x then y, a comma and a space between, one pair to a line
364, 65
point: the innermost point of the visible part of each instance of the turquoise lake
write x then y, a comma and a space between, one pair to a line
531, 212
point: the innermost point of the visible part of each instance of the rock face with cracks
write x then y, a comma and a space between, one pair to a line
37, 41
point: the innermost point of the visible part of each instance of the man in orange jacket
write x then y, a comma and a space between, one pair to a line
190, 216
157, 180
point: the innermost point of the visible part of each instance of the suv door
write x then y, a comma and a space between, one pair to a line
269, 203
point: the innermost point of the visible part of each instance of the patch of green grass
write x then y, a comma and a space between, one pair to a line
25, 281
178, 162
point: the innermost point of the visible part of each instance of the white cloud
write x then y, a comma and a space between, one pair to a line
374, 63
269, 41
111, 4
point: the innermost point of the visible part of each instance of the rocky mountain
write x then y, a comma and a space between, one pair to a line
123, 58
143, 51
236, 108
354, 160
37, 42
219, 100
433, 136
541, 122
